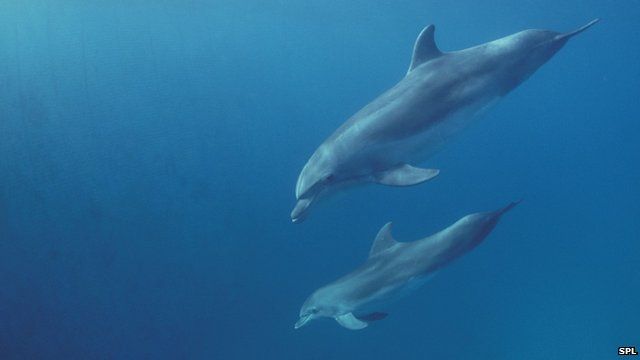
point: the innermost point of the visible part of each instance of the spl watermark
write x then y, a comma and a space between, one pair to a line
627, 350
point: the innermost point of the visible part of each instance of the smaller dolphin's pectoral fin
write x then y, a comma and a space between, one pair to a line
405, 175
374, 316
425, 48
351, 322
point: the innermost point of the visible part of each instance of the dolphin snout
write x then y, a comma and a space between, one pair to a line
302, 321
299, 212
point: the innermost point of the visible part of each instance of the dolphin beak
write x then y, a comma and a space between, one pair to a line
570, 34
302, 321
300, 210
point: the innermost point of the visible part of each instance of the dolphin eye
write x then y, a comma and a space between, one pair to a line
314, 310
329, 178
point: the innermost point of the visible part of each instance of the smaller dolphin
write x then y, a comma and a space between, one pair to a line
393, 269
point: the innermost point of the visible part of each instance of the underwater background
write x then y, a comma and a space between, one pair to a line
149, 152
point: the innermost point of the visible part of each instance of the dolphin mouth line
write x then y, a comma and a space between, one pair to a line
299, 212
302, 321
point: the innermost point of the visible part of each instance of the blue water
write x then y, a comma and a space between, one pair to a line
148, 158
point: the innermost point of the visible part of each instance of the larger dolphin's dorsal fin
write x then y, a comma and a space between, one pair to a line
383, 241
425, 48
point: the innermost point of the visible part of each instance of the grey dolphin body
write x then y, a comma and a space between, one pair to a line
437, 98
394, 268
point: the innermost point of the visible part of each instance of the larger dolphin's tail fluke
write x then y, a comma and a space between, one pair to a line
573, 33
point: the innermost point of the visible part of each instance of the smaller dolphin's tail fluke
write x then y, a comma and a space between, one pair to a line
508, 207
573, 33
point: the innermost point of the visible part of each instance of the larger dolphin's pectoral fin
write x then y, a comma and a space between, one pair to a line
405, 175
425, 48
351, 322
383, 241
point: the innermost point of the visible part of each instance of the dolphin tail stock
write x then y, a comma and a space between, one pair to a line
508, 207
578, 30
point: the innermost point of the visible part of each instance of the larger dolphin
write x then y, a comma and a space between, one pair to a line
437, 98
392, 269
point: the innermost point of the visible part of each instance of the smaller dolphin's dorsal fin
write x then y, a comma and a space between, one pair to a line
425, 48
383, 241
